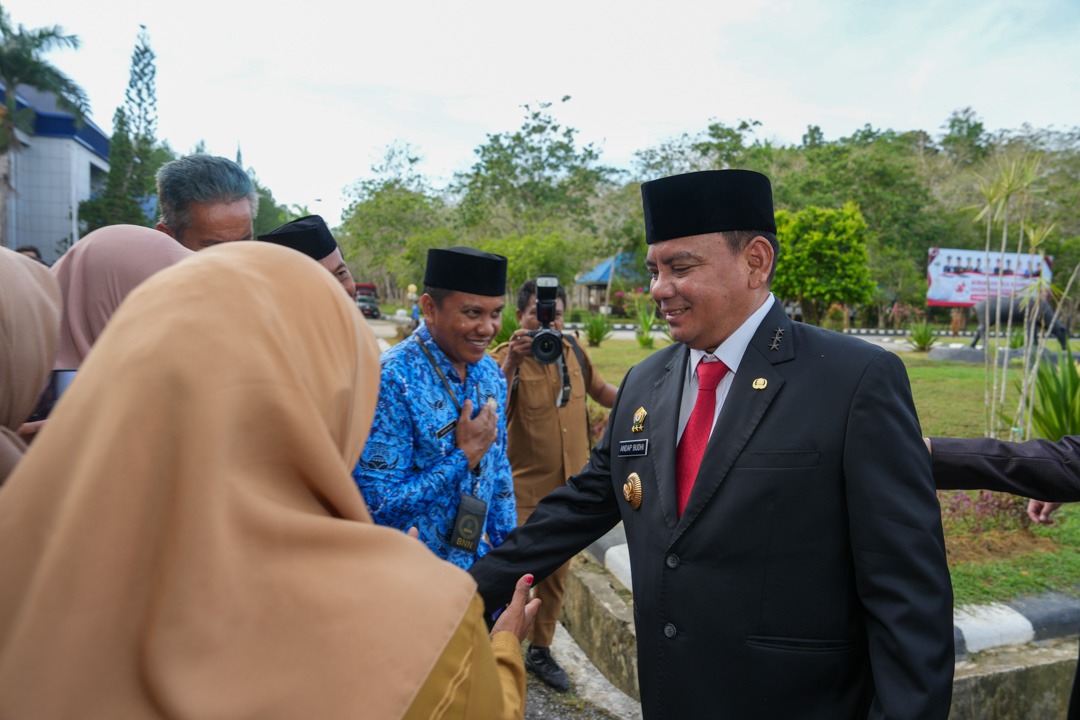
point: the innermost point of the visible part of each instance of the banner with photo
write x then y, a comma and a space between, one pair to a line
961, 278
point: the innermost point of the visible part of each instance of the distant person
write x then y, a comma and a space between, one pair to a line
206, 200
97, 273
1044, 470
436, 456
311, 236
185, 541
30, 328
547, 427
784, 536
31, 252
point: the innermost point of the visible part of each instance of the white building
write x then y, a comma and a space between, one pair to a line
58, 166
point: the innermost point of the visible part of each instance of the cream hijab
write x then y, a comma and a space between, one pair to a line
98, 272
184, 539
29, 328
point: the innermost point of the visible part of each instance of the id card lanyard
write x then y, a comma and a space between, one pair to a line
472, 511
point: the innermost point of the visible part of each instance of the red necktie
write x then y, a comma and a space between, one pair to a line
696, 435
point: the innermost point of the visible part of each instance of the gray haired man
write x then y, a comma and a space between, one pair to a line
206, 200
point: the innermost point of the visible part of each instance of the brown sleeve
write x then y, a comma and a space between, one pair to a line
475, 677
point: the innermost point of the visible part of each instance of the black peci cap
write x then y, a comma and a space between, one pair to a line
308, 234
706, 202
467, 270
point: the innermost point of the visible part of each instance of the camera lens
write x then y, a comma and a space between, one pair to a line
547, 346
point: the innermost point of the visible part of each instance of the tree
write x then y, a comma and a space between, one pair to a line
133, 153
824, 259
22, 62
532, 177
140, 104
119, 202
394, 219
270, 215
965, 141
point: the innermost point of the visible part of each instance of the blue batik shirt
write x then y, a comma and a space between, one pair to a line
411, 473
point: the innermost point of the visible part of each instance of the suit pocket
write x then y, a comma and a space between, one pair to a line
778, 460
808, 645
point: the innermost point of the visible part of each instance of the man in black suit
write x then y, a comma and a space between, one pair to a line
1047, 471
800, 573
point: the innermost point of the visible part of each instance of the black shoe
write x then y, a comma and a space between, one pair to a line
539, 662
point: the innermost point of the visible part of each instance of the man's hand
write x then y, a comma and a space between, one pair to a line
475, 435
519, 614
520, 347
1040, 511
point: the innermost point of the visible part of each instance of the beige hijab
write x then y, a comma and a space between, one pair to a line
29, 327
98, 272
185, 540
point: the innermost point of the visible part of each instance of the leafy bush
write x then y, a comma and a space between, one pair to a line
576, 315
1057, 399
979, 512
597, 329
921, 336
834, 317
1016, 340
645, 312
509, 325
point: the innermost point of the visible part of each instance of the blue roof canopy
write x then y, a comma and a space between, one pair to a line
601, 274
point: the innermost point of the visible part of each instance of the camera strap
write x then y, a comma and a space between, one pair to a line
564, 396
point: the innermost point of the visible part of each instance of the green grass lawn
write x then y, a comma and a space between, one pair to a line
949, 397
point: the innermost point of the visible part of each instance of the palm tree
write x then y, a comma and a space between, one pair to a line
22, 63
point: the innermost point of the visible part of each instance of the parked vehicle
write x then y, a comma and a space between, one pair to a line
368, 300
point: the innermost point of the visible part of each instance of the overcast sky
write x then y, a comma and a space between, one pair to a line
314, 91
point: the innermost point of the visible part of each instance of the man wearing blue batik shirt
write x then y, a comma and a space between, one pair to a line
436, 457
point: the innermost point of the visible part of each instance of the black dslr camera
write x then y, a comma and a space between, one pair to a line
547, 342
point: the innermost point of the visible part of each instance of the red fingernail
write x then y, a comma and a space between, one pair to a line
528, 579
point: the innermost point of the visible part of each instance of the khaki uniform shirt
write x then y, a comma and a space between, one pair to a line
546, 444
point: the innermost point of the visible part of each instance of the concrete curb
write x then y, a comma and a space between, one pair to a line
976, 627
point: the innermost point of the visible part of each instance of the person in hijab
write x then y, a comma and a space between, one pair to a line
98, 272
184, 538
29, 328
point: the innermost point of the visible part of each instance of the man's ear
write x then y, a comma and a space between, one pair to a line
427, 305
162, 227
759, 259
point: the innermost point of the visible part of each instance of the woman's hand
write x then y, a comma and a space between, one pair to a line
519, 614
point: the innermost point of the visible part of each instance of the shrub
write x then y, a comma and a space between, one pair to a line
1016, 340
645, 312
979, 512
509, 325
576, 315
1057, 399
834, 317
921, 336
597, 329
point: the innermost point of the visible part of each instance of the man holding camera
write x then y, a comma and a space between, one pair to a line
548, 374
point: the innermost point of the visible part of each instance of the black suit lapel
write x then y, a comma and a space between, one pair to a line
663, 408
753, 389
